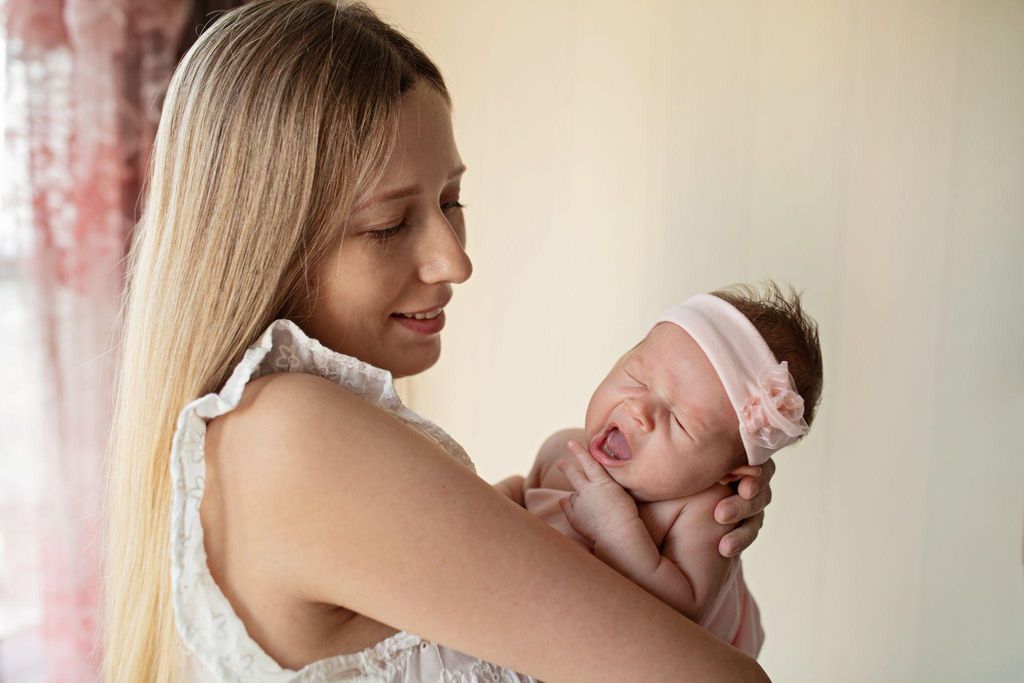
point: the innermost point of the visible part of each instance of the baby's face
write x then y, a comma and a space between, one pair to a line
664, 402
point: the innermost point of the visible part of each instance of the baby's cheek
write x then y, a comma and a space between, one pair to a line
689, 474
588, 418
653, 475
601, 402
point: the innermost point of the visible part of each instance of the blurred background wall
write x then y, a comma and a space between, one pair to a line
624, 156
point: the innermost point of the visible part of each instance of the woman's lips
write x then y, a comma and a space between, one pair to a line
432, 326
597, 448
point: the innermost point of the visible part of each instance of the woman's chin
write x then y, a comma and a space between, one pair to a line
414, 362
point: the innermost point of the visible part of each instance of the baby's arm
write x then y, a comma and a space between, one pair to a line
686, 572
633, 554
512, 487
691, 545
542, 474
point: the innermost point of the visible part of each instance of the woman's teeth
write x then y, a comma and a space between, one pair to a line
429, 315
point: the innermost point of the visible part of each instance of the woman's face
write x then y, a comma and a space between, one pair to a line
400, 254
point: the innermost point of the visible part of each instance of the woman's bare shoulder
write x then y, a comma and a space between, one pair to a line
284, 392
268, 439
269, 409
272, 406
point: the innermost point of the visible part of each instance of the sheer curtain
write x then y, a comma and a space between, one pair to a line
83, 88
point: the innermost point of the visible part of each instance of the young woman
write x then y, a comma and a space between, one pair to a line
302, 212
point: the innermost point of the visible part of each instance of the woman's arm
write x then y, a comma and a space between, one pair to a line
368, 513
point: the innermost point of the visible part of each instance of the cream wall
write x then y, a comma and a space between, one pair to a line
623, 156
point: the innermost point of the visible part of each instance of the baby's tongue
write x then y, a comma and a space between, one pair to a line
618, 445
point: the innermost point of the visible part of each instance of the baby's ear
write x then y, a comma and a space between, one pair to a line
739, 473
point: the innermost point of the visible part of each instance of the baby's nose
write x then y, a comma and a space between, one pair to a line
640, 413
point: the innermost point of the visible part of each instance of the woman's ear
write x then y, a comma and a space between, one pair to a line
739, 473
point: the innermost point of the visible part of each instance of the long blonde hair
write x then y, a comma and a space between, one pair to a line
276, 123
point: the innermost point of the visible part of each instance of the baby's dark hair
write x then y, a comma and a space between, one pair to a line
792, 335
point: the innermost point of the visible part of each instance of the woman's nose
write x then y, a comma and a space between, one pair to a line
639, 411
444, 254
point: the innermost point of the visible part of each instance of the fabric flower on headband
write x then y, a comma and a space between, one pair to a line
775, 410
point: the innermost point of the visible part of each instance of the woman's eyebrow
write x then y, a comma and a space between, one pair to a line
410, 191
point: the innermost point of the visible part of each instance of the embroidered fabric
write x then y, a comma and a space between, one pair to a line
219, 647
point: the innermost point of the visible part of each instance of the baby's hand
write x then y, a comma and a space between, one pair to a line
600, 505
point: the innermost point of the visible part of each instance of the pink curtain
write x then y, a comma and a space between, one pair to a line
84, 88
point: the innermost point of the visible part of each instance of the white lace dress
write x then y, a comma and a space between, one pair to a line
219, 647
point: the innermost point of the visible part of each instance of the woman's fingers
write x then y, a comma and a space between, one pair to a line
749, 471
737, 508
750, 486
753, 495
747, 506
740, 538
740, 473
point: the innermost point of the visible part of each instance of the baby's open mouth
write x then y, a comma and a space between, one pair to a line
615, 445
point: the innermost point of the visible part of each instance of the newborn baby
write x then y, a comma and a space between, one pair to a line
702, 400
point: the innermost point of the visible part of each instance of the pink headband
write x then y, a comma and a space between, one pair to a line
761, 390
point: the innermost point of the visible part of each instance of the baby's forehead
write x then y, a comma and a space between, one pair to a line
666, 344
673, 360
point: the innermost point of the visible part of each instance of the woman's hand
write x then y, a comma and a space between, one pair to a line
747, 506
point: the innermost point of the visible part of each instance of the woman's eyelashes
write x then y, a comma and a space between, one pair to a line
387, 233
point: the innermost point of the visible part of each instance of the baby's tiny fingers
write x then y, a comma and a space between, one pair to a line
567, 508
594, 470
573, 474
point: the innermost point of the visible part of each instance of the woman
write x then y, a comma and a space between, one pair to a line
305, 172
